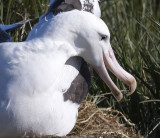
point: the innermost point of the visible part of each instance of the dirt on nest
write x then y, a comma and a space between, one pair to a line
94, 122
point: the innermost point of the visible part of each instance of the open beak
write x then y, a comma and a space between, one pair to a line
112, 64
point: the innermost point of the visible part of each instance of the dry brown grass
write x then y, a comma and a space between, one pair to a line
94, 122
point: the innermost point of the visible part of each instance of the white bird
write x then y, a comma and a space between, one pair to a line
81, 84
34, 74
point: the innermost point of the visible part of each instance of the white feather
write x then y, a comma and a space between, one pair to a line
38, 92
34, 74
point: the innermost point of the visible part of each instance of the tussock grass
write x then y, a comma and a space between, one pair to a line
135, 38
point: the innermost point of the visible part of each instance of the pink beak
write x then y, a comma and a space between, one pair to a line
112, 64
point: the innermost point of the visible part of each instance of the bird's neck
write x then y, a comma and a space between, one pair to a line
53, 46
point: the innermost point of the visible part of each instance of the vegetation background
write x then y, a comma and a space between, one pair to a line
135, 38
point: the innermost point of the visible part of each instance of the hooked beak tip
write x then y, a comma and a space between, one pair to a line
119, 97
133, 86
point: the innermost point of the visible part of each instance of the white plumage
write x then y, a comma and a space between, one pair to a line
32, 79
33, 74
20, 108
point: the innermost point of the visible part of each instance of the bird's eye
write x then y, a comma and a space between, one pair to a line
103, 37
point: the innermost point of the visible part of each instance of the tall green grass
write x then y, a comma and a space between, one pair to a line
12, 11
135, 38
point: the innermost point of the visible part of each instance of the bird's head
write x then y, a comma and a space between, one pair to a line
92, 42
90, 37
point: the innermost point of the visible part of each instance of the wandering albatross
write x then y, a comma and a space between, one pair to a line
34, 74
80, 86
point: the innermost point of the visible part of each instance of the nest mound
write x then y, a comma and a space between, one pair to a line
94, 122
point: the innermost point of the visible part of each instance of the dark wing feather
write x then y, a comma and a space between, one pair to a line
4, 36
4, 29
11, 27
88, 6
80, 85
64, 5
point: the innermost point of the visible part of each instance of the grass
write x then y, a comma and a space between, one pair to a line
135, 38
135, 32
